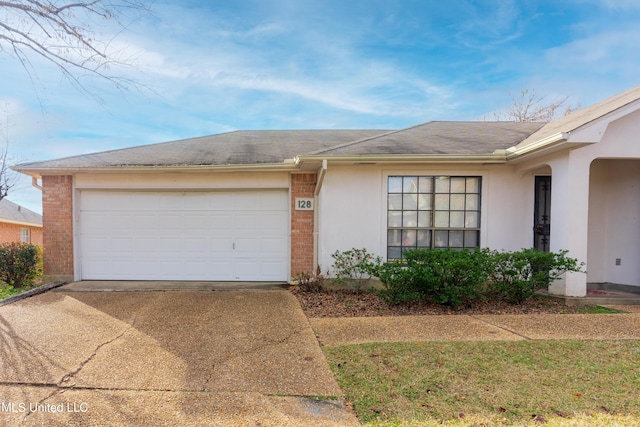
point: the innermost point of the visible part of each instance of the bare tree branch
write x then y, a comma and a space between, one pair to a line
7, 176
529, 107
69, 35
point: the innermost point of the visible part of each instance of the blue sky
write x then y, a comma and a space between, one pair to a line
207, 67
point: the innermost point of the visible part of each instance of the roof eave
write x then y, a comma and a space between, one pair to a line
551, 144
38, 172
305, 161
545, 143
18, 222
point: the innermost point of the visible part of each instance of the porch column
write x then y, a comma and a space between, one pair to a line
569, 219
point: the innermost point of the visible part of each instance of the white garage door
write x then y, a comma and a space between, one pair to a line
239, 235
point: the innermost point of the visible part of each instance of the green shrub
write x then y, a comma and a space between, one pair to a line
463, 277
398, 280
448, 276
19, 263
354, 267
517, 276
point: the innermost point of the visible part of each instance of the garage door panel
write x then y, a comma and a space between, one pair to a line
195, 245
272, 247
221, 224
120, 245
247, 247
222, 270
97, 221
144, 247
273, 222
170, 223
184, 235
247, 223
196, 222
169, 246
96, 245
270, 269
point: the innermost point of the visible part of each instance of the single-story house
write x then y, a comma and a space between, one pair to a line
267, 205
19, 224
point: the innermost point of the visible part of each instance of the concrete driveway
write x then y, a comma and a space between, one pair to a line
167, 358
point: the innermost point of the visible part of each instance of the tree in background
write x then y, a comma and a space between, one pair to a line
7, 177
67, 33
7, 180
529, 107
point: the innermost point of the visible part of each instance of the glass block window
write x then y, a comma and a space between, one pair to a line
432, 212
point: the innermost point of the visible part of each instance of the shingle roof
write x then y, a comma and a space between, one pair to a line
275, 146
440, 138
579, 118
233, 148
16, 213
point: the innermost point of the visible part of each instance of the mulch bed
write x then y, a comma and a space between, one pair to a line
346, 303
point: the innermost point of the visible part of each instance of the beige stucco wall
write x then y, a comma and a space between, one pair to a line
352, 207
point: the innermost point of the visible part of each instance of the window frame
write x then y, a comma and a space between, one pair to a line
427, 216
25, 235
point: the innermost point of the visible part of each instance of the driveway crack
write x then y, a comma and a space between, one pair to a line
40, 402
64, 382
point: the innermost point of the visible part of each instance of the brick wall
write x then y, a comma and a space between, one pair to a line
11, 233
57, 217
302, 185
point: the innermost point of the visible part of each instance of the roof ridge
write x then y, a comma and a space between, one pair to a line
360, 141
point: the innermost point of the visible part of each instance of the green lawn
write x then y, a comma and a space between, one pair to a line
551, 383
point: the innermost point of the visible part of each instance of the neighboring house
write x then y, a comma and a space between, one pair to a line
266, 205
18, 224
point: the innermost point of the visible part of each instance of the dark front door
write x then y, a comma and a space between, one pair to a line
542, 213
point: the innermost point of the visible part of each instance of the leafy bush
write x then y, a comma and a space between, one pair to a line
450, 277
398, 280
19, 263
517, 276
463, 277
354, 267
447, 277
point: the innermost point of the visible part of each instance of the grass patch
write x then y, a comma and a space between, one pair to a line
597, 309
554, 383
7, 291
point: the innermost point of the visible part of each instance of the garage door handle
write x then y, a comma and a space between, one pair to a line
234, 245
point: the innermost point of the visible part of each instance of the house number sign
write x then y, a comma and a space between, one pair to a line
304, 204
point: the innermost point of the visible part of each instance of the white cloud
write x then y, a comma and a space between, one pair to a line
616, 5
611, 55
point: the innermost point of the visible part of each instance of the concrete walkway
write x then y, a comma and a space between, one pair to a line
334, 331
242, 358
